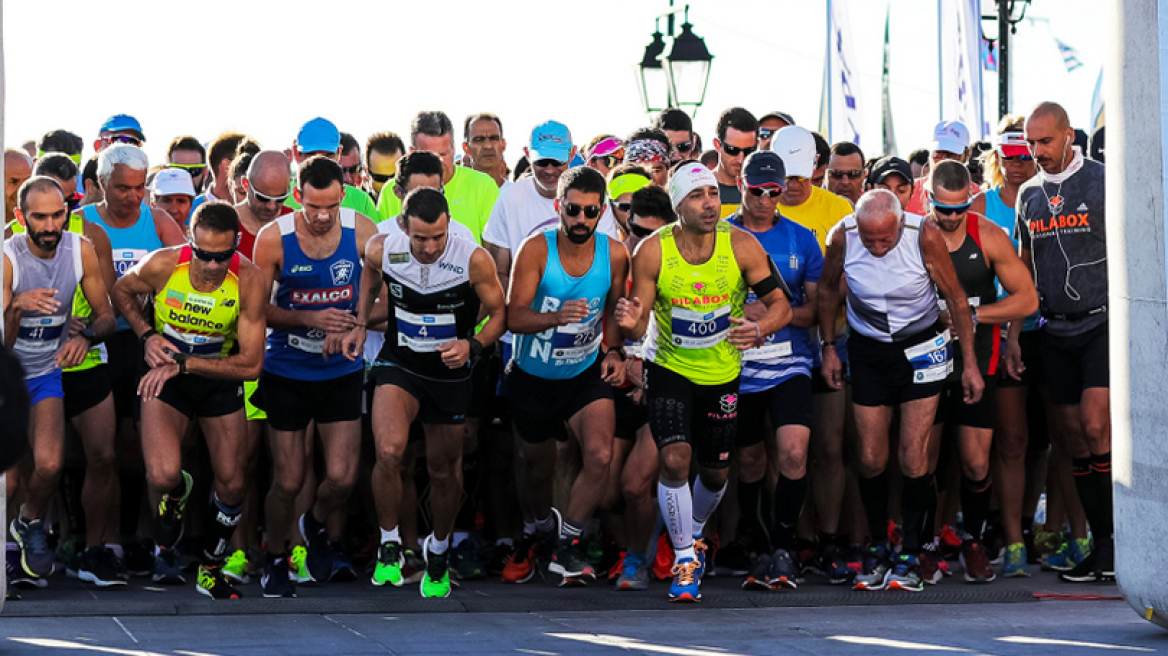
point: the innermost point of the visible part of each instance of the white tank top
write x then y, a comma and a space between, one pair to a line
890, 298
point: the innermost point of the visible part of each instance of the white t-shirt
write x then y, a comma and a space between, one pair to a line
375, 338
521, 212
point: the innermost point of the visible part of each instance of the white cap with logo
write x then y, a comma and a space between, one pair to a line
951, 137
796, 147
173, 181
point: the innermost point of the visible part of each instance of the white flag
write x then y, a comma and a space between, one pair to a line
960, 55
843, 84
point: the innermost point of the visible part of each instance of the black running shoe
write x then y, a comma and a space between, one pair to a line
758, 577
139, 557
36, 558
784, 573
275, 580
835, 565
499, 559
98, 567
213, 584
320, 555
1099, 565
569, 561
167, 569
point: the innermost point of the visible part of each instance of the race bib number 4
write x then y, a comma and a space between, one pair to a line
932, 361
696, 330
424, 333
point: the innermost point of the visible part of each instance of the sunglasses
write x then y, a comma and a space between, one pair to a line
590, 211
212, 256
684, 147
352, 170
768, 192
765, 134
609, 161
548, 162
735, 151
640, 231
381, 178
1018, 158
264, 198
624, 206
949, 210
851, 174
193, 169
123, 138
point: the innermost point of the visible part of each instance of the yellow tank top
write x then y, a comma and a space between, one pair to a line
81, 307
691, 315
200, 324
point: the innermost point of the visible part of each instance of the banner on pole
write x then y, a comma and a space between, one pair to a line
961, 63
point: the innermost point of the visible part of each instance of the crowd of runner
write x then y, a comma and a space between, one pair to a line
623, 360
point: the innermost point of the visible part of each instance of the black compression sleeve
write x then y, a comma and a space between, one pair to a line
770, 283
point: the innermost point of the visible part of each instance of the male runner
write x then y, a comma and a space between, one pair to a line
689, 289
564, 284
900, 355
43, 267
437, 285
206, 337
311, 260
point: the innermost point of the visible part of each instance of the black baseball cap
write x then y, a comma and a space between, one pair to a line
886, 165
764, 167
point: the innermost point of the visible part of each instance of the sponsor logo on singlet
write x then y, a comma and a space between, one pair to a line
322, 296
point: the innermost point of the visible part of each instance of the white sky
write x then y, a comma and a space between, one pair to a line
266, 67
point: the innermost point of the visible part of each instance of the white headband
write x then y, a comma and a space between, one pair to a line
687, 178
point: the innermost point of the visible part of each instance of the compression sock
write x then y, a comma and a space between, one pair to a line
790, 495
705, 502
975, 505
874, 495
221, 526
1094, 489
676, 505
919, 497
753, 517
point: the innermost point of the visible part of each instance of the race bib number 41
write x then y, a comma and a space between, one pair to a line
932, 361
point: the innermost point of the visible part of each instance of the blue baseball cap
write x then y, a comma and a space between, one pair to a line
121, 123
550, 140
763, 168
318, 136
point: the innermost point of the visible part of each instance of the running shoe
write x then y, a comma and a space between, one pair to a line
783, 572
17, 577
895, 534
139, 557
905, 574
68, 557
1069, 556
320, 555
521, 567
1046, 542
634, 575
414, 568
276, 580
614, 571
876, 569
976, 563
436, 580
97, 567
834, 565
36, 558
733, 559
342, 567
1099, 565
686, 585
759, 577
700, 549
170, 514
950, 543
214, 584
569, 561
299, 566
390, 560
167, 569
236, 568
662, 566
465, 563
1016, 564
499, 558
930, 567
805, 557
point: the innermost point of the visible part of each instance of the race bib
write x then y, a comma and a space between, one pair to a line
696, 330
768, 351
39, 334
576, 341
126, 258
424, 333
306, 344
635, 349
932, 360
194, 344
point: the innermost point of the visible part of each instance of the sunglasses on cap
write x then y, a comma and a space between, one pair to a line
735, 151
624, 206
609, 161
950, 209
763, 133
352, 170
768, 191
851, 174
1011, 153
590, 211
212, 256
548, 162
193, 169
122, 138
381, 178
640, 232
264, 198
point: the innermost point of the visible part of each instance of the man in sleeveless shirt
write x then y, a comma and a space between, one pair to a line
43, 267
687, 299
567, 356
982, 255
899, 355
438, 287
311, 260
205, 339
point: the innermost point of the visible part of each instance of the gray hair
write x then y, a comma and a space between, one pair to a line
126, 155
877, 204
432, 124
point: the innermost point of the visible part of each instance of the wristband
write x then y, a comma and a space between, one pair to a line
823, 343
146, 336
476, 347
181, 360
619, 353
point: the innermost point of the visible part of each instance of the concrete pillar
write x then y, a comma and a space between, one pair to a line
1136, 133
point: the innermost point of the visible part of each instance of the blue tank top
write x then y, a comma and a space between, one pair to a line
130, 245
309, 284
1004, 215
566, 351
788, 352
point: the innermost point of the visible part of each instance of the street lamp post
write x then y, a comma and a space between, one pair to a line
679, 79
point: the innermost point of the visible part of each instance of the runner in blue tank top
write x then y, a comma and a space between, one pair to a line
312, 259
564, 289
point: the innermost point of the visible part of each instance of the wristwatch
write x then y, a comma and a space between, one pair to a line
90, 334
181, 360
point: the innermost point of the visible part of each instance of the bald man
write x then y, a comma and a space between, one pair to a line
266, 187
1062, 236
17, 169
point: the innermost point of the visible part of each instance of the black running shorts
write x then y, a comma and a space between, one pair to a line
439, 401
292, 404
85, 389
540, 407
196, 396
788, 403
1075, 363
882, 374
703, 416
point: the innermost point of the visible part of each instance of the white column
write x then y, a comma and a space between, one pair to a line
1136, 196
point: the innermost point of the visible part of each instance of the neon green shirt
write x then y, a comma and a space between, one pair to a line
354, 199
471, 195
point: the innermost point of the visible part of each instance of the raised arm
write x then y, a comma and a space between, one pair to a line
633, 311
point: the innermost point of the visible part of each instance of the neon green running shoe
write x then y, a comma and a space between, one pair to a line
236, 567
298, 573
390, 560
436, 580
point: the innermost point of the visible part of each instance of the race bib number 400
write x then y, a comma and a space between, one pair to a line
424, 333
697, 330
932, 361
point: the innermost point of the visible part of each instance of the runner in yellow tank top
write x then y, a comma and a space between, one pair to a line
694, 277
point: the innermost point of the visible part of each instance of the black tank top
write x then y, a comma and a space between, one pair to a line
978, 281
